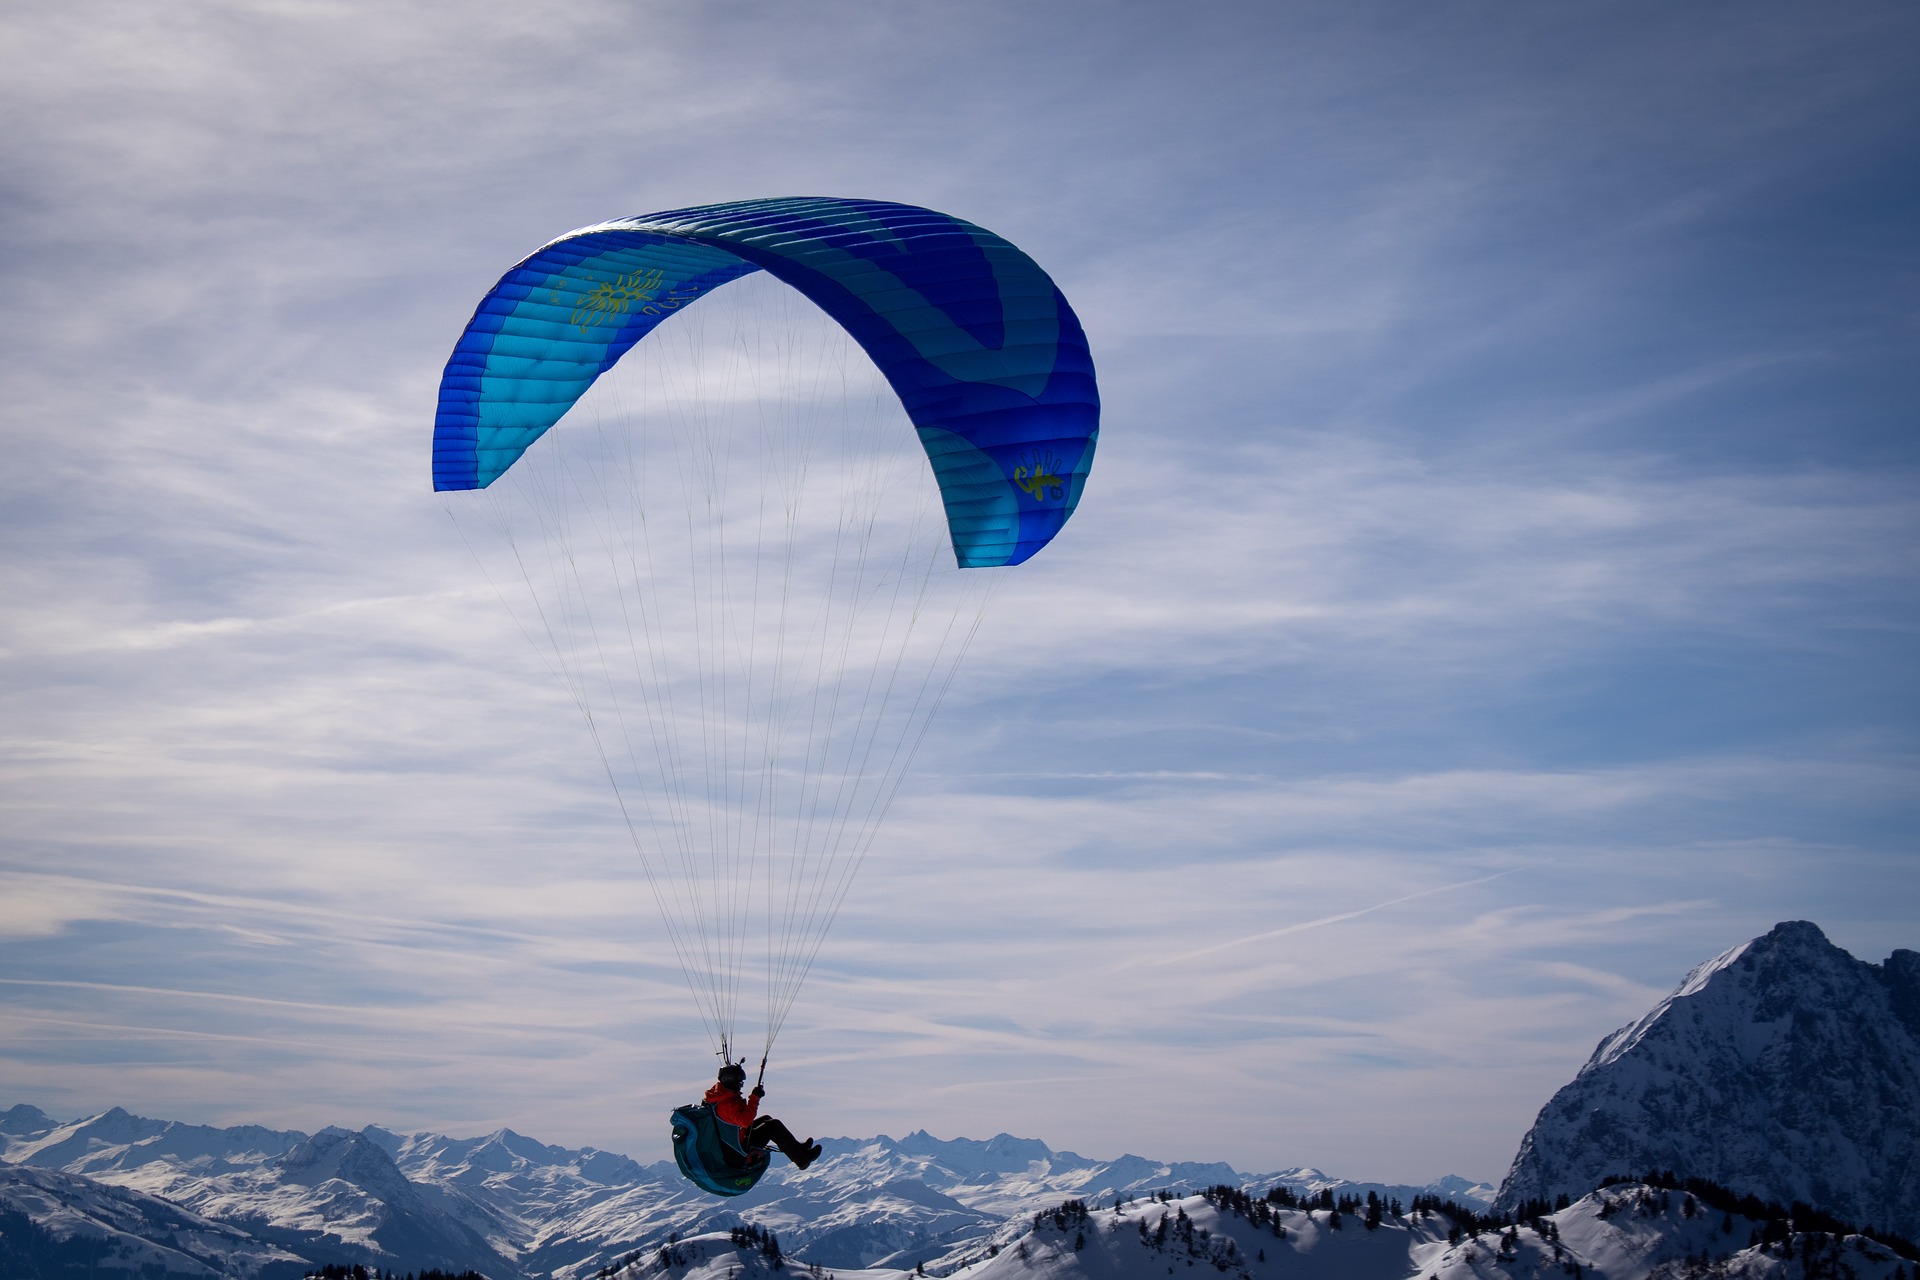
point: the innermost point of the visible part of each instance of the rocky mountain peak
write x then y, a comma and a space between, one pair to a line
1901, 975
344, 1154
1783, 1067
22, 1120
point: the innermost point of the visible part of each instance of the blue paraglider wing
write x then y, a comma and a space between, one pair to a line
986, 356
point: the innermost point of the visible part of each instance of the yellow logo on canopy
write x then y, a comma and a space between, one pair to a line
611, 299
1039, 476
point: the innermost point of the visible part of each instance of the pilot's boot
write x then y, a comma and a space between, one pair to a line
766, 1129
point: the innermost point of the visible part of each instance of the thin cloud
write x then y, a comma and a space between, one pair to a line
1324, 921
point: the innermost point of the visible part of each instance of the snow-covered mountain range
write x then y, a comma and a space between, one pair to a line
509, 1206
1785, 1068
1622, 1232
57, 1222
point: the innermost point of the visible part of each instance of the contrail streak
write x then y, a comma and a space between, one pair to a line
1304, 925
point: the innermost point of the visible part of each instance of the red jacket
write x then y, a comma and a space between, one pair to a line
731, 1107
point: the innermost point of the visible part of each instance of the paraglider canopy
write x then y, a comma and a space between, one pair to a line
986, 356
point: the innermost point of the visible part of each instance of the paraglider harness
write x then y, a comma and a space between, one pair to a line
710, 1152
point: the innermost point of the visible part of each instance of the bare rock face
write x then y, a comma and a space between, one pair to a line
1784, 1068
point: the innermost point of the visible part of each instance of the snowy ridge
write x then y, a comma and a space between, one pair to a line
117, 1139
62, 1219
1783, 1068
1621, 1232
332, 1196
1632, 1232
511, 1206
1622, 1041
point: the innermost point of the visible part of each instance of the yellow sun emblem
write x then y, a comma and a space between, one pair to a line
613, 298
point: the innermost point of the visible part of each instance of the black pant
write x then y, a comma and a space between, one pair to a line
766, 1129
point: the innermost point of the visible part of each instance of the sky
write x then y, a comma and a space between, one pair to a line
1495, 593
